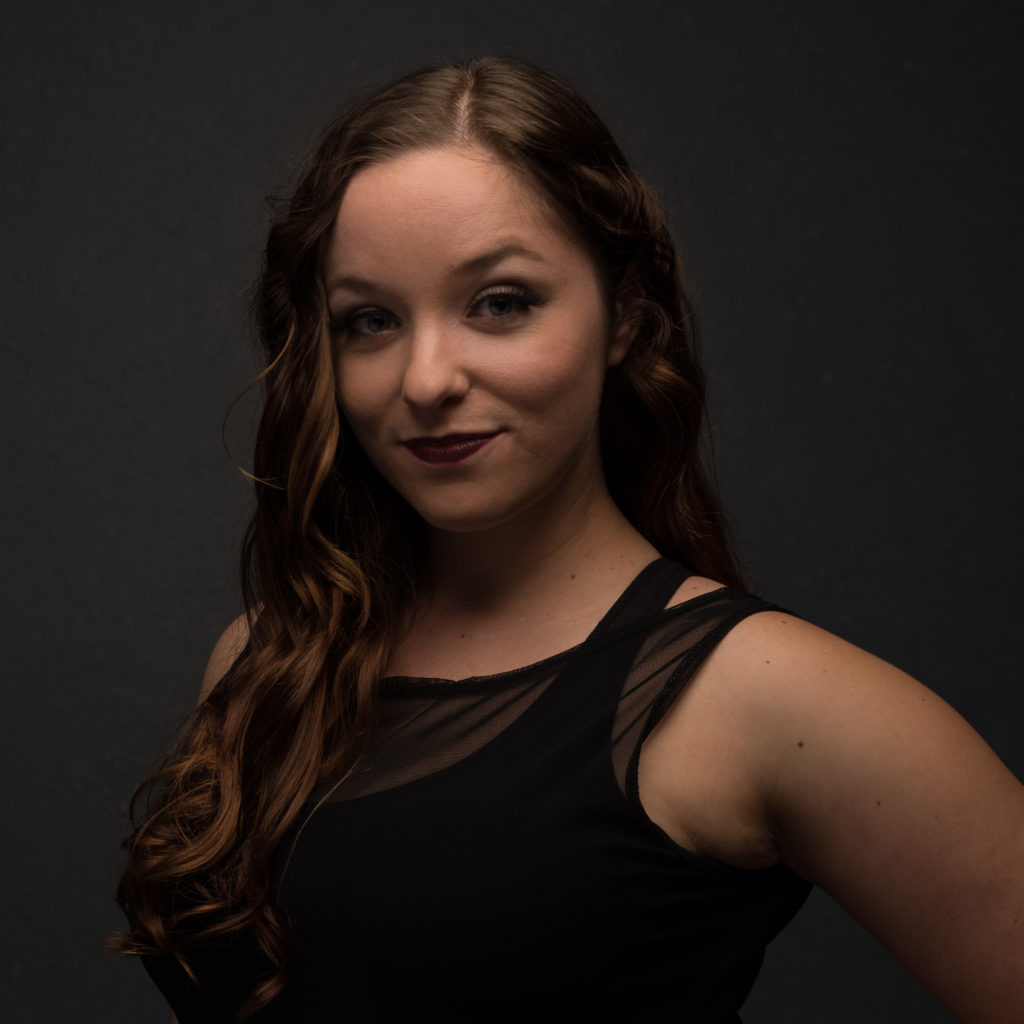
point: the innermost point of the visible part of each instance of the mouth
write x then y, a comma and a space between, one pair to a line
450, 448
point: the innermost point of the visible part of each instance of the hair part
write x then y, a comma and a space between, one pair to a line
331, 559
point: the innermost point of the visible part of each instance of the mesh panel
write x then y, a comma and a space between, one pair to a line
661, 670
429, 725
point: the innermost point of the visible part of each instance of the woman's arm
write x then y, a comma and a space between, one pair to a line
884, 796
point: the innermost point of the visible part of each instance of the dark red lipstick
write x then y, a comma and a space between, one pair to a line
447, 449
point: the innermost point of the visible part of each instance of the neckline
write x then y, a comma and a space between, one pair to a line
605, 627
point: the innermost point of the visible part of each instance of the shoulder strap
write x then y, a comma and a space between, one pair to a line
648, 593
699, 633
645, 596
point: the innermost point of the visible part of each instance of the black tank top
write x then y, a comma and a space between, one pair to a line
491, 859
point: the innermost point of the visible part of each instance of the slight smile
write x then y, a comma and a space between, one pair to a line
450, 448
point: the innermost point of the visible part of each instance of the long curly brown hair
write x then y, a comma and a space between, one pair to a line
330, 563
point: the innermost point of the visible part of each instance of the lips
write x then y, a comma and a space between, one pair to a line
450, 448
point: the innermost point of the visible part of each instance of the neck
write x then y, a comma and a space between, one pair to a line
590, 540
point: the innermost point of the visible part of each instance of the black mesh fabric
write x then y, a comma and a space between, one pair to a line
491, 859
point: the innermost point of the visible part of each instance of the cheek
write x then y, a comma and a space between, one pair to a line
569, 373
359, 394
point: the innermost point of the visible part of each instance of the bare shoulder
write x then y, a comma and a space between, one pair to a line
879, 792
225, 651
799, 679
827, 711
791, 679
693, 586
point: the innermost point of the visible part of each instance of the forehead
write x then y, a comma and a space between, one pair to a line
443, 203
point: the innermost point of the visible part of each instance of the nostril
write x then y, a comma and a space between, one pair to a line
433, 383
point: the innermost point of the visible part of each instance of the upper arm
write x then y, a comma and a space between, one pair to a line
225, 651
884, 796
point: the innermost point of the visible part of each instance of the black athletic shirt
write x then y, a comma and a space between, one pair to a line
491, 860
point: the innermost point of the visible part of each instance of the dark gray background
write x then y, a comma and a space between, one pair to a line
844, 180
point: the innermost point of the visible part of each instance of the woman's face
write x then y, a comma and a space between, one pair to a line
471, 339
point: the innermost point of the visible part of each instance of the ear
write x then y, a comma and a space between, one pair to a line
624, 327
622, 338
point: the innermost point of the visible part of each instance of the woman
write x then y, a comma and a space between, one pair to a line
482, 747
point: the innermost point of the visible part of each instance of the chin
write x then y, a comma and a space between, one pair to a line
450, 518
466, 524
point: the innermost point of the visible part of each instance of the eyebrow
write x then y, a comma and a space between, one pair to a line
474, 265
491, 259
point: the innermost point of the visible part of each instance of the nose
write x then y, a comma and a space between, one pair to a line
434, 374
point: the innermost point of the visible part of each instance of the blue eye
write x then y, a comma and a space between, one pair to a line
504, 303
364, 323
371, 321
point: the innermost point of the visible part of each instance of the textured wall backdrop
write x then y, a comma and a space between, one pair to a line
844, 180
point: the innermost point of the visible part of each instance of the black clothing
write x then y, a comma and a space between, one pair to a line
492, 861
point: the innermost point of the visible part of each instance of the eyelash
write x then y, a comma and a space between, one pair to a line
527, 297
344, 323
